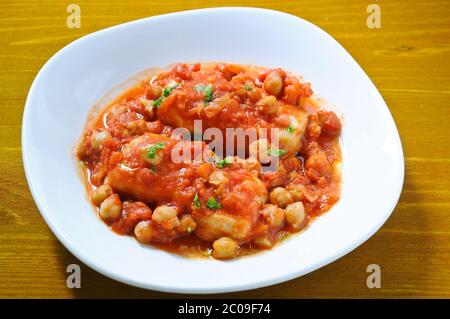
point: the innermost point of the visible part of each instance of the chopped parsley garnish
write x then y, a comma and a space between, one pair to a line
290, 129
165, 93
248, 88
200, 88
209, 93
157, 102
196, 201
275, 152
221, 163
152, 150
213, 204
167, 90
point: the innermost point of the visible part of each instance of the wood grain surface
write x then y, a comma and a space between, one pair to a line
408, 59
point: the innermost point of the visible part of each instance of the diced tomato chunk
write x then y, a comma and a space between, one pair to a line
330, 123
132, 214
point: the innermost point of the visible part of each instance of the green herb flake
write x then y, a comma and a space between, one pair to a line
167, 90
157, 102
196, 201
290, 129
221, 163
213, 204
209, 93
200, 88
275, 152
248, 88
152, 150
165, 93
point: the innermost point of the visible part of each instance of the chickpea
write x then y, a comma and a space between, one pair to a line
251, 165
100, 194
118, 109
268, 105
259, 187
111, 208
166, 216
240, 92
234, 69
164, 212
284, 119
146, 102
137, 127
330, 123
280, 197
217, 178
214, 226
273, 83
289, 141
254, 95
314, 129
150, 110
218, 104
212, 109
263, 241
143, 231
99, 138
242, 228
98, 175
158, 155
296, 192
205, 170
148, 107
187, 224
225, 248
317, 164
274, 215
153, 91
230, 70
295, 214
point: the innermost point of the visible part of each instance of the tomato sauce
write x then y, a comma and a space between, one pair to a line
213, 205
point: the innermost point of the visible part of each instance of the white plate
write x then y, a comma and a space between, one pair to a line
82, 72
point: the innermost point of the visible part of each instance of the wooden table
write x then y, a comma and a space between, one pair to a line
408, 59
